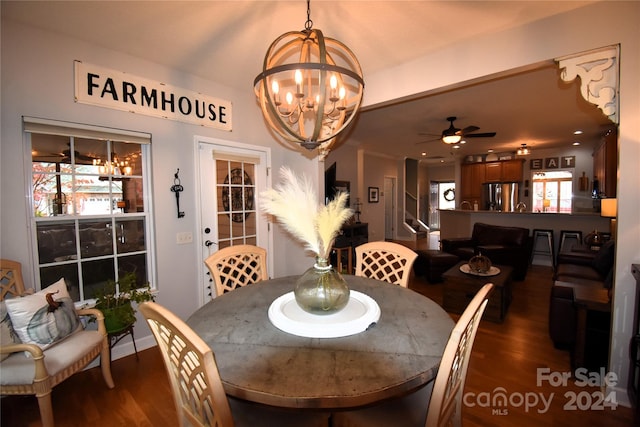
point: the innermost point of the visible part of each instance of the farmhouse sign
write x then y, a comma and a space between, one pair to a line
107, 88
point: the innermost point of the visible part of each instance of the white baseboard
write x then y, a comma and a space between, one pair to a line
622, 396
125, 348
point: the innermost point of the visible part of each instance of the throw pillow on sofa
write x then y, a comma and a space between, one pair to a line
44, 317
603, 261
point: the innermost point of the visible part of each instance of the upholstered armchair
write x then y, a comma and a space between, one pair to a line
28, 368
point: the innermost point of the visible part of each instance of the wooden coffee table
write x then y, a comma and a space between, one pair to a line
460, 288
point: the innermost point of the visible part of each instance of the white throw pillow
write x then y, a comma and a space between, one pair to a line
45, 317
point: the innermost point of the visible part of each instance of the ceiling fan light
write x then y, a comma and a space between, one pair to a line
451, 139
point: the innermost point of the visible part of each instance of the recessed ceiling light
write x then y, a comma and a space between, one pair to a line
462, 142
424, 153
577, 132
457, 147
490, 150
576, 143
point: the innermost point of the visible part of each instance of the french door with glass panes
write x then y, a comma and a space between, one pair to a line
232, 176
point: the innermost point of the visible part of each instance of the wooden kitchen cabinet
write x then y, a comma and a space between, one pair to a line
493, 172
473, 175
504, 171
471, 178
512, 170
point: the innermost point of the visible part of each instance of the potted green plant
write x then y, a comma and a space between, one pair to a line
115, 301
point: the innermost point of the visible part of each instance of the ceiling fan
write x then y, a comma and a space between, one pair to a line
453, 135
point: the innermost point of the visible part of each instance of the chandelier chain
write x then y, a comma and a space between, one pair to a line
309, 23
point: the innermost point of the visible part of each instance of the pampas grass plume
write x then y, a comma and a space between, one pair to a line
294, 203
329, 220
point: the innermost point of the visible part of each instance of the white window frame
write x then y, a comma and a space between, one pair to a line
33, 125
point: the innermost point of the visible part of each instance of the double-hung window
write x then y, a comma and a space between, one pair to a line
91, 216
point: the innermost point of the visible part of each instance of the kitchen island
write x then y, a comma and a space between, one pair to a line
459, 222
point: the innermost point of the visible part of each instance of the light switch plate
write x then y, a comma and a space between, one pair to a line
184, 238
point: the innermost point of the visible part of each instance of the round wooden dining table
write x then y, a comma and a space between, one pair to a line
260, 363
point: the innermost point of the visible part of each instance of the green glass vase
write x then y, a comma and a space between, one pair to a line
321, 289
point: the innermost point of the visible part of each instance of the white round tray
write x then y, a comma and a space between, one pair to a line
493, 271
360, 312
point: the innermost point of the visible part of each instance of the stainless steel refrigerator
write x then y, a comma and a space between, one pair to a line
500, 196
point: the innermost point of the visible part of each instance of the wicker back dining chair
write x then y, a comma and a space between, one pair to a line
385, 261
197, 388
26, 369
236, 266
439, 403
11, 283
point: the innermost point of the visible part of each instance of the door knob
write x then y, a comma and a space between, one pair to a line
209, 243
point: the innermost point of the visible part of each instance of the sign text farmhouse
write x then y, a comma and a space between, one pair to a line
121, 91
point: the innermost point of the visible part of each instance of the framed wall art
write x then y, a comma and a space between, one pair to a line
374, 194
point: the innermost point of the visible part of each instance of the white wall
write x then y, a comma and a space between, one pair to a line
37, 80
602, 24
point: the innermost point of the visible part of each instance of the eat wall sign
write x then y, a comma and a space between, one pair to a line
554, 163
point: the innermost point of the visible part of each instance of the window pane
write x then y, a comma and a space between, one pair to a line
56, 242
566, 193
50, 275
131, 196
250, 224
224, 226
50, 149
134, 264
237, 228
95, 238
130, 236
222, 170
95, 275
538, 195
91, 195
127, 157
88, 155
44, 188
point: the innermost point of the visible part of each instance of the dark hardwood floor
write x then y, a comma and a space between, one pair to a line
505, 355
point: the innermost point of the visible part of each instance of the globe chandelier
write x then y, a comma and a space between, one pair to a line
310, 88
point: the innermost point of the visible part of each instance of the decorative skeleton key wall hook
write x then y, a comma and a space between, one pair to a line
177, 188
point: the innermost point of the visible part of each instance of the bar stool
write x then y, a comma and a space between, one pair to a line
548, 250
569, 235
349, 253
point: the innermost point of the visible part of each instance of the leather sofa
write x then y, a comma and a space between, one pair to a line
579, 267
503, 245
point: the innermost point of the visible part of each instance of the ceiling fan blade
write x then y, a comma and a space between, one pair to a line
480, 135
467, 130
